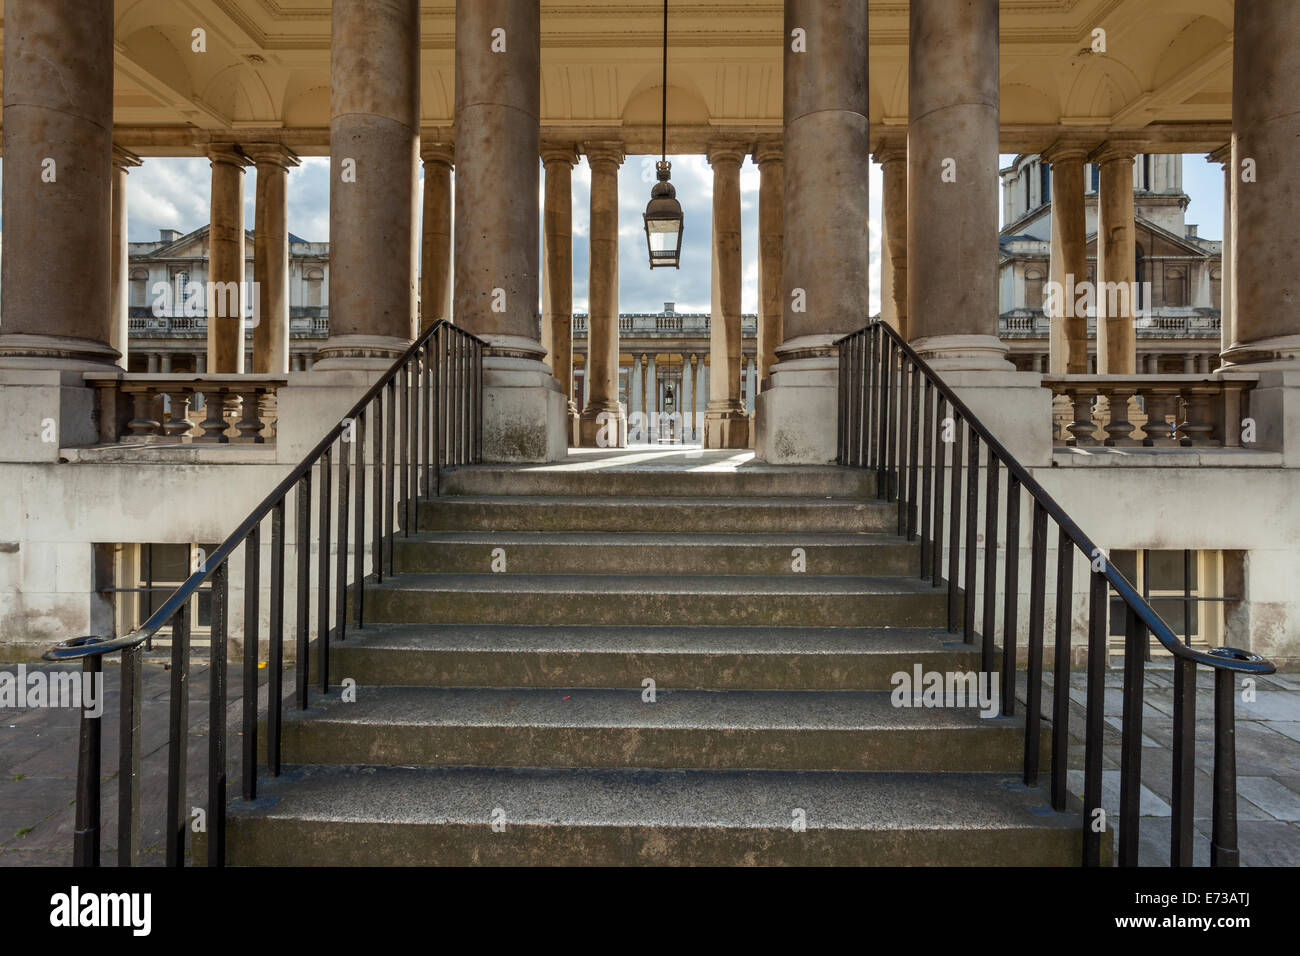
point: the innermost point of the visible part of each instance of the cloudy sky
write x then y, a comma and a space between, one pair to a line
174, 194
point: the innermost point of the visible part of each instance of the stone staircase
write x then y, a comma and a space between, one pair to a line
502, 717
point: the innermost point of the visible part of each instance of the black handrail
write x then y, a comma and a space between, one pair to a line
435, 387
897, 417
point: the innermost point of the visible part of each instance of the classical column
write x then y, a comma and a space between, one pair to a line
557, 271
697, 395
652, 395
768, 156
603, 418
952, 185
1068, 338
1116, 266
1266, 204
826, 252
893, 241
435, 225
119, 267
751, 384
271, 258
58, 125
498, 140
374, 142
225, 299
726, 424
1227, 327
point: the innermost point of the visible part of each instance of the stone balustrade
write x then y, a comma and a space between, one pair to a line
165, 409
1137, 411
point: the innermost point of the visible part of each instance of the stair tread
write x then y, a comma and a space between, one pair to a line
820, 710
737, 584
543, 639
623, 503
654, 798
850, 539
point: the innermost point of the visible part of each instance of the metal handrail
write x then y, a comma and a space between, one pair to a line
439, 378
881, 407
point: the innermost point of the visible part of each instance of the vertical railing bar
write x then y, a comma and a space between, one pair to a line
991, 500
887, 427
941, 461
1183, 799
1223, 843
439, 409
324, 538
842, 404
85, 840
927, 479
914, 453
402, 400
900, 460
302, 587
359, 527
954, 517
340, 588
1034, 668
217, 715
1011, 596
870, 347
377, 492
178, 737
252, 625
1136, 646
275, 654
1061, 669
970, 553
390, 480
1094, 716
128, 763
478, 401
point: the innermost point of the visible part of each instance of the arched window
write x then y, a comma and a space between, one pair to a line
1176, 286
1033, 289
315, 278
139, 288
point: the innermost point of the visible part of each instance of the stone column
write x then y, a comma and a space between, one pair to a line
652, 395
893, 240
557, 271
1265, 193
271, 258
374, 144
952, 185
1116, 333
697, 395
225, 299
1068, 338
1227, 327
603, 419
435, 263
119, 267
769, 157
58, 145
726, 424
826, 252
498, 140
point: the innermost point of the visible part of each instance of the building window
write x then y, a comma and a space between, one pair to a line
139, 288
1033, 289
1185, 588
1176, 286
150, 573
1045, 182
1216, 289
1096, 177
315, 278
1028, 202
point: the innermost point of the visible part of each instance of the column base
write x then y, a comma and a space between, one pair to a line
603, 425
1014, 406
961, 353
374, 353
57, 353
797, 414
726, 425
525, 413
574, 429
1281, 353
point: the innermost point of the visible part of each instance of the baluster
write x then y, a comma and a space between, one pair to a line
85, 841
217, 717
212, 430
1198, 426
1161, 402
252, 649
250, 425
1119, 429
128, 759
1061, 669
178, 723
178, 424
143, 424
1223, 846
1034, 671
1082, 428
1136, 645
1094, 718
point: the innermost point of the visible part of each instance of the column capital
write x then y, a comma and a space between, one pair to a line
271, 154
227, 153
888, 140
725, 151
1065, 151
560, 153
1113, 151
769, 151
887, 153
438, 154
1222, 155
124, 158
605, 151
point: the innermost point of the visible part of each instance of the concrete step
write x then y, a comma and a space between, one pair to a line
700, 515
699, 658
638, 552
365, 816
795, 600
681, 729
644, 479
